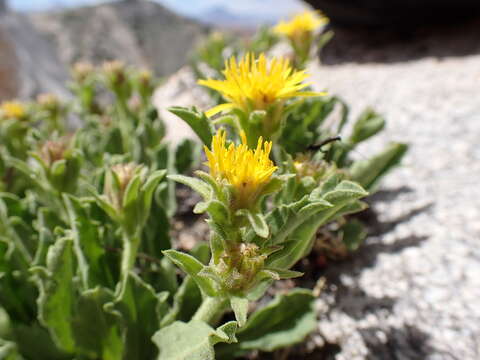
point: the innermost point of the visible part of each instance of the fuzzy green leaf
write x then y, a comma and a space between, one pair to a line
368, 172
57, 296
98, 334
240, 308
191, 341
285, 274
192, 267
258, 223
198, 185
353, 234
197, 121
368, 124
142, 310
186, 301
88, 247
285, 321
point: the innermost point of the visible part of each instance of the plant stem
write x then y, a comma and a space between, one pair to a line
129, 254
211, 310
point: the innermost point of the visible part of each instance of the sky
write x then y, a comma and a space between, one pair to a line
272, 8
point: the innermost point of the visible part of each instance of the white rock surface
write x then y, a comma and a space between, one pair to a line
413, 292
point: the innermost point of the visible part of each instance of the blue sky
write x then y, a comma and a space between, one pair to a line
274, 8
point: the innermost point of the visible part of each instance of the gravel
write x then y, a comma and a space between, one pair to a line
412, 292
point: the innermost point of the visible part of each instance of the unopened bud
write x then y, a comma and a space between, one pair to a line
81, 71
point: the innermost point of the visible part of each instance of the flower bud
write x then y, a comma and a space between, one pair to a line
82, 71
117, 181
128, 193
61, 164
115, 72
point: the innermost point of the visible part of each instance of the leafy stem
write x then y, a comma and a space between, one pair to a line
131, 244
211, 310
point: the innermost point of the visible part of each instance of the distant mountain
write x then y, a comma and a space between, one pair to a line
142, 33
222, 17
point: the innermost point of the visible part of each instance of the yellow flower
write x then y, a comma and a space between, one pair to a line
246, 170
255, 84
13, 109
303, 23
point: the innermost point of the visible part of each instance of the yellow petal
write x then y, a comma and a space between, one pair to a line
219, 108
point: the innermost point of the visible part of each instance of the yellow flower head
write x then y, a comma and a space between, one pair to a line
255, 84
306, 22
13, 109
246, 170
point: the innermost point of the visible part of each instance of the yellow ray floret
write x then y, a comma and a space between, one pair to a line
254, 84
305, 22
246, 170
13, 109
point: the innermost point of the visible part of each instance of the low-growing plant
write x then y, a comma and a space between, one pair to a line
87, 263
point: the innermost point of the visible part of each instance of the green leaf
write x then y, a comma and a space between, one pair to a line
88, 247
34, 342
216, 209
240, 308
191, 341
58, 168
103, 203
198, 185
186, 301
57, 296
98, 334
187, 156
192, 267
258, 223
345, 192
298, 231
285, 321
368, 124
353, 234
142, 311
368, 172
285, 274
197, 121
132, 191
9, 351
149, 187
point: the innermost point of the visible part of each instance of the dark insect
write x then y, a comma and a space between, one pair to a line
319, 146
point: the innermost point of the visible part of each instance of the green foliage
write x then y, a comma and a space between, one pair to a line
285, 321
192, 341
87, 269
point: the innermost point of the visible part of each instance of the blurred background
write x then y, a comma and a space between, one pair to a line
411, 292
40, 39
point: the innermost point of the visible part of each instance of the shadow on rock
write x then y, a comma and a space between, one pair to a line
386, 195
383, 46
407, 342
377, 228
366, 256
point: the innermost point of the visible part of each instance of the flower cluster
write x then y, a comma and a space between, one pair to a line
246, 170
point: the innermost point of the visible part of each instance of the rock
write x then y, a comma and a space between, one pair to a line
141, 33
28, 64
396, 13
3, 6
411, 291
180, 89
